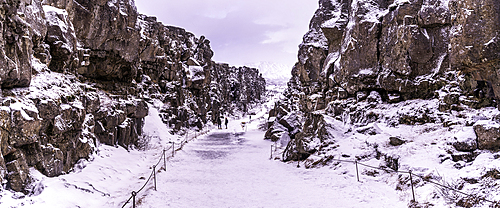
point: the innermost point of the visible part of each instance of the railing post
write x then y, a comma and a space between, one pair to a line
271, 152
412, 190
164, 160
357, 172
154, 175
133, 198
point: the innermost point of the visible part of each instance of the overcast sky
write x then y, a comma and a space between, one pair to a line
240, 31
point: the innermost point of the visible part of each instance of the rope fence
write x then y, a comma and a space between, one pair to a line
163, 158
411, 174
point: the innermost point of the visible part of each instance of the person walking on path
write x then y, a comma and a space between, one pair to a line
226, 122
219, 123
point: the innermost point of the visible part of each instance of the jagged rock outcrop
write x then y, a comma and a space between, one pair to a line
23, 29
192, 86
401, 48
396, 51
236, 88
77, 74
108, 36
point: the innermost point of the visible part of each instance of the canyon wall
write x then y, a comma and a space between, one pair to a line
388, 51
76, 74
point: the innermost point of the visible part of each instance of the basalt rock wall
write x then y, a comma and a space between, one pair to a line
403, 49
80, 73
394, 49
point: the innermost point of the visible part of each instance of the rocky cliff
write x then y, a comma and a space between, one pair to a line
362, 54
76, 74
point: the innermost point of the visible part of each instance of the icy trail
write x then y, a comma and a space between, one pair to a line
231, 168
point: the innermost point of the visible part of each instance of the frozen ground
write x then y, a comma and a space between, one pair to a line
231, 168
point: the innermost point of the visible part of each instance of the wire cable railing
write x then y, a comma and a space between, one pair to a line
411, 174
163, 157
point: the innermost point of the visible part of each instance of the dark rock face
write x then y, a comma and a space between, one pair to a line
405, 49
109, 38
397, 51
20, 34
91, 67
488, 137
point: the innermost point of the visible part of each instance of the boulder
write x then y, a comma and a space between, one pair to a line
25, 125
488, 135
468, 145
17, 170
466, 140
464, 156
396, 141
451, 98
141, 109
392, 162
52, 162
48, 109
92, 102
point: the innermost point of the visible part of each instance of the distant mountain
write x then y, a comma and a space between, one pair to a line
277, 74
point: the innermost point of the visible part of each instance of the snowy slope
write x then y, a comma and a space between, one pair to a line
275, 74
427, 151
106, 180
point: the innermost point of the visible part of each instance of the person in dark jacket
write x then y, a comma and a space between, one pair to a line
226, 121
219, 123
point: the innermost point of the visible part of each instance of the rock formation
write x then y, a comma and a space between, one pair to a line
76, 74
390, 51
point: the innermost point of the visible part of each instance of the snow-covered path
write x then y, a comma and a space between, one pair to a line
231, 168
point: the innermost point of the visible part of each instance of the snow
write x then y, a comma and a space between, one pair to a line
274, 73
195, 73
427, 150
21, 107
330, 59
233, 169
493, 40
54, 16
